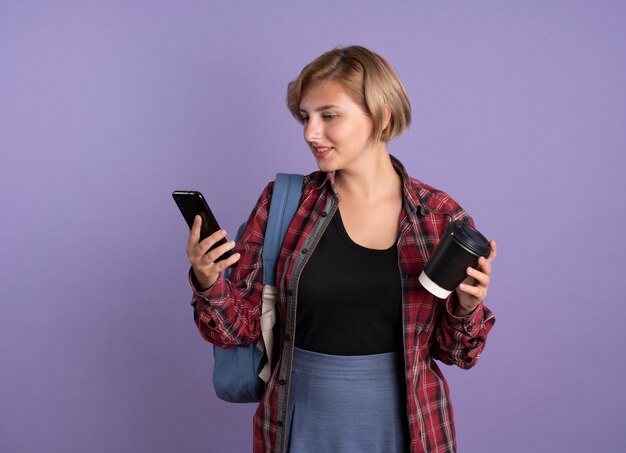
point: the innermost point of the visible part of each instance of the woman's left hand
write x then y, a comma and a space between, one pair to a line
473, 290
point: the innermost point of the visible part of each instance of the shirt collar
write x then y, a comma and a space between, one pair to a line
412, 199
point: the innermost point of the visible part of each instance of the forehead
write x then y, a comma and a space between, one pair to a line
325, 93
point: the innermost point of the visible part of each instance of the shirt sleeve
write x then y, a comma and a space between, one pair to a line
460, 340
227, 314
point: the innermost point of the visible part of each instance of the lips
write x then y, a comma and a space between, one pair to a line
322, 151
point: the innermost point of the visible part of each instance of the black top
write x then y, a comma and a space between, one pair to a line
349, 297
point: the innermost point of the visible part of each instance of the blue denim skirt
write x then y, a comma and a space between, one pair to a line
347, 403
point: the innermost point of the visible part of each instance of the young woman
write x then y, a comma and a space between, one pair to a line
357, 335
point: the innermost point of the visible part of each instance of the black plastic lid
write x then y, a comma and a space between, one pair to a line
469, 238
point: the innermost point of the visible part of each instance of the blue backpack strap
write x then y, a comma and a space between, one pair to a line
236, 370
285, 202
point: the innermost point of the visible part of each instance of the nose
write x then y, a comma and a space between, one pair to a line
312, 130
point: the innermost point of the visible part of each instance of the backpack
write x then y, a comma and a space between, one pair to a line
240, 373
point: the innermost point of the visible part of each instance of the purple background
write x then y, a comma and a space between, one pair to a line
106, 108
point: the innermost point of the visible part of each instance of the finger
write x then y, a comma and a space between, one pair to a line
478, 292
211, 240
227, 262
493, 249
212, 270
198, 252
194, 234
484, 265
214, 254
481, 278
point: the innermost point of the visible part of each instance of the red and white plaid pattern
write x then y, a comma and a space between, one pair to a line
228, 313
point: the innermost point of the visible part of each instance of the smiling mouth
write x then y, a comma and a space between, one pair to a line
322, 150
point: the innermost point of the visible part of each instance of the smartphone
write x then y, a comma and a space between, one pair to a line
192, 203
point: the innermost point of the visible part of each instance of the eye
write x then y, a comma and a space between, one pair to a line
304, 119
328, 116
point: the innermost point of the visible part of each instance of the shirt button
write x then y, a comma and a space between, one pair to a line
290, 292
280, 423
469, 327
304, 251
287, 337
282, 382
324, 214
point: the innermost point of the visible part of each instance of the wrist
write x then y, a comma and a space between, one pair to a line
201, 284
462, 312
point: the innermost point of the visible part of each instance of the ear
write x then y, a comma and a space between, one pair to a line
386, 117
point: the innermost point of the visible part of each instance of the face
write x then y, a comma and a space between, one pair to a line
336, 129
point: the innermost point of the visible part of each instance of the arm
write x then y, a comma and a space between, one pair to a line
227, 311
466, 322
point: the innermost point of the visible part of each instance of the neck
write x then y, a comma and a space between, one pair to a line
370, 179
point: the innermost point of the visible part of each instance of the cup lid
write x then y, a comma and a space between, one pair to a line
469, 238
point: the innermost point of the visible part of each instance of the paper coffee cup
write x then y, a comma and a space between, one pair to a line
459, 249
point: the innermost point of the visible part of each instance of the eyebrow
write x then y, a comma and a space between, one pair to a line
321, 108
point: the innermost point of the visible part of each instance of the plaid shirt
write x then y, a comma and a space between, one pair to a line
227, 314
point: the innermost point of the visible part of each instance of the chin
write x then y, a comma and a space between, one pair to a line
326, 167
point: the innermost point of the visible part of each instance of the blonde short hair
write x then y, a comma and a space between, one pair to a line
367, 78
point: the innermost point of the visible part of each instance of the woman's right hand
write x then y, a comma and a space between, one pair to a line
203, 264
